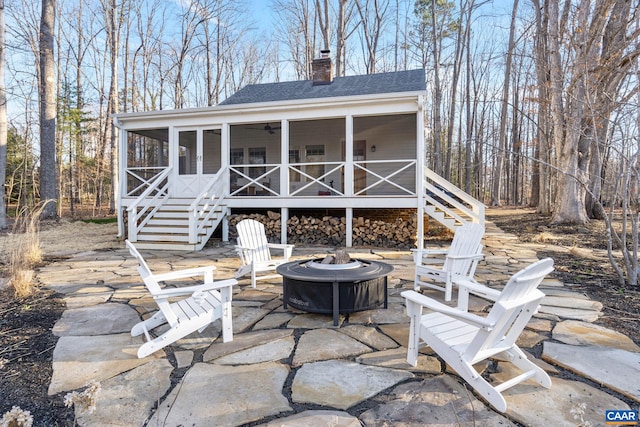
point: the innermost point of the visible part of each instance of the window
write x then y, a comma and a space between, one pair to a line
257, 156
294, 157
187, 164
314, 154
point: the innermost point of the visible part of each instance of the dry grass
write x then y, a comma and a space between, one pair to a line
544, 237
25, 251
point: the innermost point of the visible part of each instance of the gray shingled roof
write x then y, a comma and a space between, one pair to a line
399, 81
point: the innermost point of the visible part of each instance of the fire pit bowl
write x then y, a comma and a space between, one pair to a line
317, 287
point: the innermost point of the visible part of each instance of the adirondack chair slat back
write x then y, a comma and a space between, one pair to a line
466, 241
152, 284
251, 234
518, 301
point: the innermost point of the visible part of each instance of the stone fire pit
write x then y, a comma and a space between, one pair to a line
324, 286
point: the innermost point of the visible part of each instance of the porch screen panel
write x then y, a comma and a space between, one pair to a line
188, 151
147, 156
390, 149
211, 140
316, 157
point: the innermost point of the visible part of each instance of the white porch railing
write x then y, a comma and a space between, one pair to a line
258, 183
396, 168
140, 178
209, 202
147, 203
299, 168
450, 199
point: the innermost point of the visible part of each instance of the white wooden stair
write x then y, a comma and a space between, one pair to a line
448, 204
168, 228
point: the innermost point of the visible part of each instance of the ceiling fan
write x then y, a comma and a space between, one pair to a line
268, 128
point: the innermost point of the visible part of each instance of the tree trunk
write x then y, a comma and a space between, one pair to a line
47, 90
437, 88
3, 121
340, 36
496, 186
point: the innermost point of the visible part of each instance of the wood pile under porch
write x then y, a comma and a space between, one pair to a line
394, 228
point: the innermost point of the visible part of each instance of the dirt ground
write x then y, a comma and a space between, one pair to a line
26, 342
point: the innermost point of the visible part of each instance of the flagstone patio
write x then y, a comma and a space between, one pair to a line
289, 368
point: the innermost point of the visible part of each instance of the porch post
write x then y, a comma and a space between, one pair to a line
284, 159
284, 177
121, 189
225, 153
420, 165
284, 218
349, 226
348, 158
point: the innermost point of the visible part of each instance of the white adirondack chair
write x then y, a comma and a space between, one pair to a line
461, 260
463, 339
255, 251
198, 307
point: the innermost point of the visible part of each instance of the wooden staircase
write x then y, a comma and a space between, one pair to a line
448, 204
168, 227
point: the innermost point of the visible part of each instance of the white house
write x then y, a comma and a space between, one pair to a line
342, 143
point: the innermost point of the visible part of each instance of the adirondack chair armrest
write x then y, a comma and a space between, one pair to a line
472, 257
420, 254
185, 290
187, 272
437, 306
288, 249
477, 289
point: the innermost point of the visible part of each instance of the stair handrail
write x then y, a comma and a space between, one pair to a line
214, 194
139, 218
472, 208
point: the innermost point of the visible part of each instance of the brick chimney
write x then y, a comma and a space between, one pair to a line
322, 69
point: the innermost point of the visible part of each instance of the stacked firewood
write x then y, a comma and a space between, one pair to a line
331, 231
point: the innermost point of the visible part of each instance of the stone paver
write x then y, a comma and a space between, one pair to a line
397, 358
438, 401
80, 359
583, 333
100, 319
268, 352
325, 344
127, 399
616, 369
341, 384
219, 395
316, 419
540, 407
370, 336
284, 359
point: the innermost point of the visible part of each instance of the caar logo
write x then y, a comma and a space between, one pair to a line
621, 417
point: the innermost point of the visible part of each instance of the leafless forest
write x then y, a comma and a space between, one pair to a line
531, 102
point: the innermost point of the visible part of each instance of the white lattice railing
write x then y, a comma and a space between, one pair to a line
147, 203
388, 172
205, 207
260, 182
450, 199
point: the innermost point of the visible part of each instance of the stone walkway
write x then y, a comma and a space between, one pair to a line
287, 368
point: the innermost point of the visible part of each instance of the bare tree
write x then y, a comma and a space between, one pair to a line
323, 12
47, 86
3, 121
296, 23
502, 134
434, 26
373, 17
597, 61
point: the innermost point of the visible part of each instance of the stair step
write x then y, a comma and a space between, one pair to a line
166, 246
169, 231
177, 238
